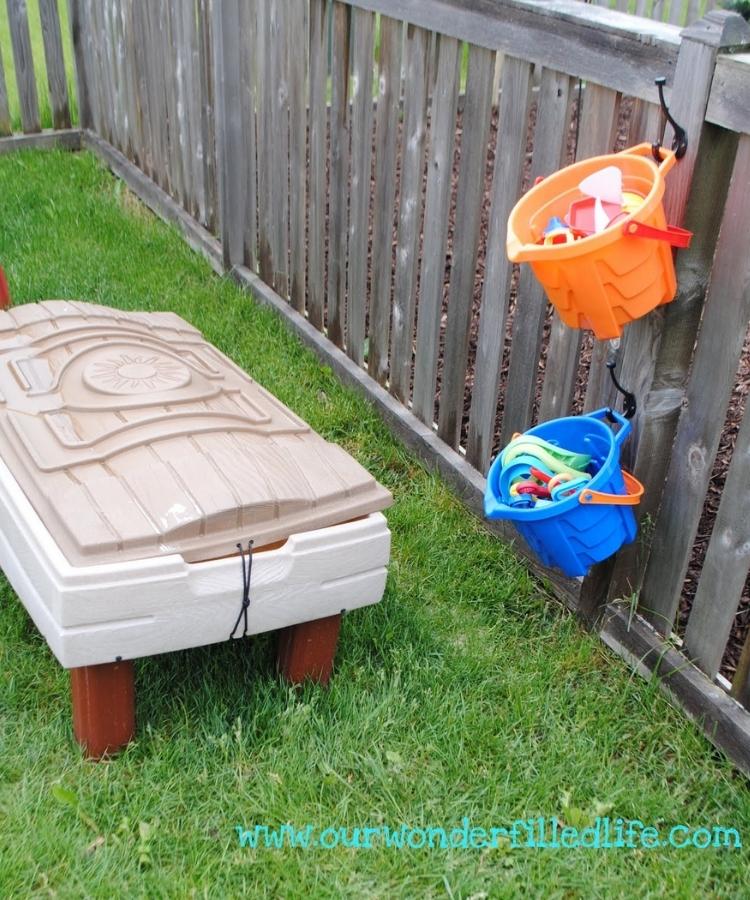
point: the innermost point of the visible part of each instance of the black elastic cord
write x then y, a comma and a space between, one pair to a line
245, 587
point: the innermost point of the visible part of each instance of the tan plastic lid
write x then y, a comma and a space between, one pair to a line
133, 437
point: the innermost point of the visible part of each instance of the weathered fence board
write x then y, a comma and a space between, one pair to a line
442, 134
53, 56
506, 186
317, 124
363, 39
726, 564
278, 86
410, 212
5, 122
386, 129
18, 22
229, 131
298, 43
475, 127
339, 173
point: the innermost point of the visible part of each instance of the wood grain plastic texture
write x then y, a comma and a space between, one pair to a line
133, 437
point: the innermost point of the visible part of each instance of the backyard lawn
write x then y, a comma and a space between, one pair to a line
466, 693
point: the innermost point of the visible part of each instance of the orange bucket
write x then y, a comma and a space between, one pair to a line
608, 279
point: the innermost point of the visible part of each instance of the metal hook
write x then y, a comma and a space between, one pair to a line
628, 397
680, 142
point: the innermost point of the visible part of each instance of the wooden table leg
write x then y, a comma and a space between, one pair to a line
103, 707
306, 651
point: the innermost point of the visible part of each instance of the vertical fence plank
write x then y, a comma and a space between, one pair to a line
24, 63
506, 186
598, 122
55, 62
725, 566
477, 113
278, 87
6, 127
386, 134
442, 133
363, 31
249, 138
183, 38
410, 211
550, 146
78, 23
94, 66
133, 118
181, 132
229, 150
265, 114
317, 120
142, 88
717, 355
298, 45
339, 173
207, 110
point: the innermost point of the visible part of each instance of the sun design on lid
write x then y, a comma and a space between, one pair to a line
136, 374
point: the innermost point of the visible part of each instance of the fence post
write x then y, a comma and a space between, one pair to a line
229, 157
657, 350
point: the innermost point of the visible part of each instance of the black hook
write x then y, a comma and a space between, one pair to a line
629, 405
680, 142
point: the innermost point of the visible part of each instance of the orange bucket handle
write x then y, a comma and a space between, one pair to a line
632, 498
669, 157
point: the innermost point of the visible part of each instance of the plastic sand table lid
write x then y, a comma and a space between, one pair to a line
133, 437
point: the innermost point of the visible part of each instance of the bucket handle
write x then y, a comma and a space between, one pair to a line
625, 424
632, 498
645, 149
674, 236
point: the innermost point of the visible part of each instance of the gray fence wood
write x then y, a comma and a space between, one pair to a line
729, 102
77, 25
550, 148
717, 355
598, 125
6, 126
386, 131
53, 56
475, 125
317, 123
725, 566
337, 220
506, 186
229, 133
410, 212
615, 50
298, 45
278, 86
264, 149
24, 65
442, 133
207, 110
363, 36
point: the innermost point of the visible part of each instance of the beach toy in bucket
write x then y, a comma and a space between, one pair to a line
620, 265
561, 484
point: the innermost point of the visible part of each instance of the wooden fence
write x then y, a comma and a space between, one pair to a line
676, 12
31, 94
354, 164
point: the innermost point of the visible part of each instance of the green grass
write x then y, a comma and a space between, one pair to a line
40, 69
466, 692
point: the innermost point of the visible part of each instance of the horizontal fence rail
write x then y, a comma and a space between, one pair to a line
354, 163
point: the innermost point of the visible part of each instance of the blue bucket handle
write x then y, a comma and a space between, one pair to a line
625, 424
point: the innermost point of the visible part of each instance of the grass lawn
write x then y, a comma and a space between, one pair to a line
466, 692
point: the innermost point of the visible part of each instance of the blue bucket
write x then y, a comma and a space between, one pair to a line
574, 533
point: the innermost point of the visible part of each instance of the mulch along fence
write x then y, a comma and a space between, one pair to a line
354, 165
